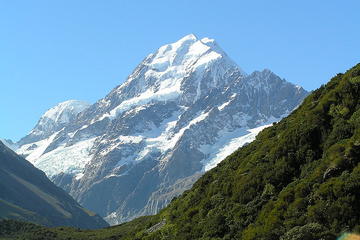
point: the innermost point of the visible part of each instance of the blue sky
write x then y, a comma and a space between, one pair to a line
52, 51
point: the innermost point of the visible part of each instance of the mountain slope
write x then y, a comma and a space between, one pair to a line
26, 194
300, 179
182, 110
9, 143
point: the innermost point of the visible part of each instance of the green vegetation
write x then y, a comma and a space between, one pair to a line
300, 179
11, 229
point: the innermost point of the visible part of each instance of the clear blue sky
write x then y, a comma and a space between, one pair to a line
51, 51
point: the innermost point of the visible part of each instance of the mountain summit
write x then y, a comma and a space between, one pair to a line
183, 109
185, 70
54, 119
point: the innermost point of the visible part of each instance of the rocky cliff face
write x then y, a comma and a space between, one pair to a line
183, 109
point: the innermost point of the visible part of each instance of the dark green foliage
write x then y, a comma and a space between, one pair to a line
300, 179
10, 229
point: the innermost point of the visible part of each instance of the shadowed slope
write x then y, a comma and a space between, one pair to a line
27, 194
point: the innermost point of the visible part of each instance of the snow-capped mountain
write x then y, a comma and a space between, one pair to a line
54, 120
183, 109
34, 145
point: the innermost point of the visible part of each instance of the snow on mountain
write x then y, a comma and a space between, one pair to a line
65, 158
54, 120
183, 109
34, 150
57, 116
176, 70
63, 112
228, 144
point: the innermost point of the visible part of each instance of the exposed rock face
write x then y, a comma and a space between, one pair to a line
183, 109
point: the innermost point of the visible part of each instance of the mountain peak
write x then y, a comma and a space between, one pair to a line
73, 106
183, 71
61, 114
185, 51
188, 37
55, 119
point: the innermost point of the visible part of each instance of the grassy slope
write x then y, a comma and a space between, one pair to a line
300, 179
12, 211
